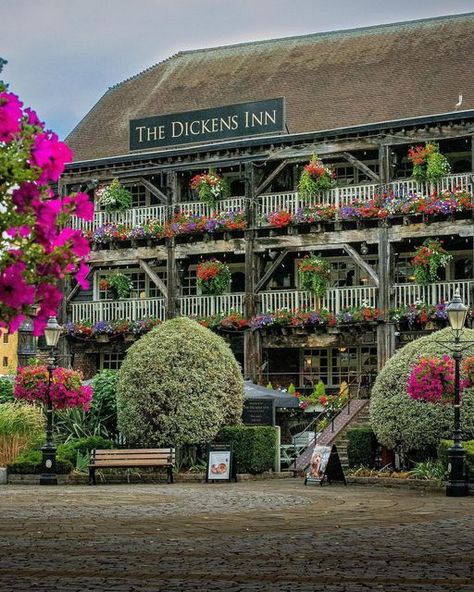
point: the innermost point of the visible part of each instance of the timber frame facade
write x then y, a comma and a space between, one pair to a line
369, 256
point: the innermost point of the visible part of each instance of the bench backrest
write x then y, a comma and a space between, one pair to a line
134, 457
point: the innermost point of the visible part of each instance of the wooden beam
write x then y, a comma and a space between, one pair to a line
261, 188
154, 277
77, 287
361, 166
354, 255
271, 270
154, 190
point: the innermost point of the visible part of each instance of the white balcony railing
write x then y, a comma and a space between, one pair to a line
341, 196
206, 306
110, 310
133, 217
406, 294
336, 299
198, 208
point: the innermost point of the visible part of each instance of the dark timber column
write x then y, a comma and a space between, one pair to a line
385, 161
171, 271
251, 338
385, 331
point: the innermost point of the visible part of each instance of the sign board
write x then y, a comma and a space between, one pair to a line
208, 125
325, 463
258, 412
219, 462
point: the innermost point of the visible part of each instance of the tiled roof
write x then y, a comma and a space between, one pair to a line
329, 80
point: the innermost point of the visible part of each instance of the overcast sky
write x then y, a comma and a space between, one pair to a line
64, 54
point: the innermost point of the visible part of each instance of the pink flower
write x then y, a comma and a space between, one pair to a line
10, 116
23, 196
84, 208
19, 231
32, 118
14, 291
50, 155
81, 276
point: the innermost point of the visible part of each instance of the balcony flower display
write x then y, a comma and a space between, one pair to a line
143, 326
428, 259
82, 330
113, 197
210, 187
213, 277
428, 163
360, 314
315, 178
119, 284
432, 380
280, 218
314, 274
103, 330
315, 213
232, 321
419, 314
294, 318
121, 327
66, 391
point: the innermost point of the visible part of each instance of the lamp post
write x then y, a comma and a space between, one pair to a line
52, 333
457, 485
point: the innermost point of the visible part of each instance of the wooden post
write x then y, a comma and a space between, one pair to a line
252, 353
385, 331
171, 271
385, 173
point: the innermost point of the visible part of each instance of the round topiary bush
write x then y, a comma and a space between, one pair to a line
405, 424
178, 385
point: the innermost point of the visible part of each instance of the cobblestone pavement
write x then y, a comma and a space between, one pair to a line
270, 536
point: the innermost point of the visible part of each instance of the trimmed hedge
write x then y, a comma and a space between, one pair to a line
361, 447
254, 447
443, 447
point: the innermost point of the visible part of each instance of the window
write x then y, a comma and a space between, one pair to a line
139, 196
142, 285
5, 361
338, 364
111, 361
5, 337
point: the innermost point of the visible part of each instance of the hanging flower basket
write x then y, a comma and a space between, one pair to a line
432, 380
428, 259
113, 197
213, 277
119, 285
210, 187
314, 274
316, 178
428, 163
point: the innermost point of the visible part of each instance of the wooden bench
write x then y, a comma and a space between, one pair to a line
121, 459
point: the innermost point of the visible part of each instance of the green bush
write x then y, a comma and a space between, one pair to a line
83, 446
21, 426
104, 401
179, 384
254, 447
31, 463
6, 390
409, 426
468, 446
361, 447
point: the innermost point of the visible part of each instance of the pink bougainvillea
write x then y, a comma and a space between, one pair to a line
432, 380
38, 248
66, 391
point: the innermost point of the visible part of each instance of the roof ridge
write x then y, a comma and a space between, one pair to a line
171, 57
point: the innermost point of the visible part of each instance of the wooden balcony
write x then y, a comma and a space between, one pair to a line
336, 299
206, 306
406, 294
110, 310
133, 217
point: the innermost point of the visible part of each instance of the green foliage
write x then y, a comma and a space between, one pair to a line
428, 470
361, 447
31, 463
315, 178
179, 384
314, 274
468, 446
270, 386
104, 402
119, 284
254, 447
114, 197
73, 424
319, 389
6, 391
428, 259
18, 419
322, 424
291, 389
438, 166
405, 424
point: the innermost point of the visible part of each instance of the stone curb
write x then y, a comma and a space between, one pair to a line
402, 483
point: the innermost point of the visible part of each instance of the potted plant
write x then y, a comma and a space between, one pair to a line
119, 285
102, 331
428, 163
113, 197
213, 277
316, 178
314, 274
210, 187
428, 259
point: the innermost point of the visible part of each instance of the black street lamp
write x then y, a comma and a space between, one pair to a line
457, 485
48, 476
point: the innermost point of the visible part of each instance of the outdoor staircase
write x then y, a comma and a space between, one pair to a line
354, 414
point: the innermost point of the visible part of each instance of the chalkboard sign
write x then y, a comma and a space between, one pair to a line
325, 463
258, 412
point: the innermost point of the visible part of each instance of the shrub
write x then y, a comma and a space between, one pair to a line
468, 446
83, 446
402, 423
179, 384
104, 401
31, 463
73, 424
254, 447
20, 427
361, 447
6, 391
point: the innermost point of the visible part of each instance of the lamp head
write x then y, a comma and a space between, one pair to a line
52, 332
457, 312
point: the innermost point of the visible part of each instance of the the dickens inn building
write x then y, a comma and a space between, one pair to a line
255, 113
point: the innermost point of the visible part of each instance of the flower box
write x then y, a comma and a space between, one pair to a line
102, 338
